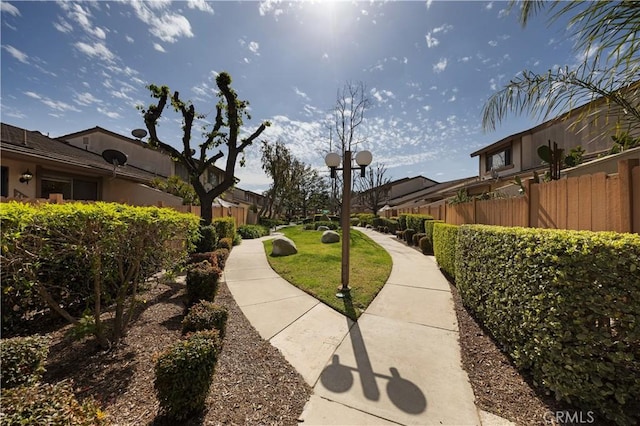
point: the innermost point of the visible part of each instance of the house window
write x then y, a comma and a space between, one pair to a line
182, 172
70, 188
212, 177
499, 159
4, 184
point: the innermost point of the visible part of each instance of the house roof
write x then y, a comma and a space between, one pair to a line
431, 193
35, 145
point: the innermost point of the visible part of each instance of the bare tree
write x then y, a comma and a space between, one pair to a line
351, 103
229, 114
373, 188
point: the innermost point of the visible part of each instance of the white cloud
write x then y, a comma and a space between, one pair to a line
489, 5
201, 5
9, 8
429, 3
98, 49
110, 114
440, 66
18, 54
431, 41
82, 16
427, 107
63, 26
444, 28
85, 98
493, 43
130, 39
502, 13
452, 98
55, 105
254, 46
325, 56
158, 47
465, 59
166, 26
269, 6
301, 94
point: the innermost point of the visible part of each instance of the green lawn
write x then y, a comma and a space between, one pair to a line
316, 268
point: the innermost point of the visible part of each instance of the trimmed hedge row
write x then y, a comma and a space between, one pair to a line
564, 304
22, 360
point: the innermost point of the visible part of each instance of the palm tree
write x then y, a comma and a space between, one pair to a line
606, 35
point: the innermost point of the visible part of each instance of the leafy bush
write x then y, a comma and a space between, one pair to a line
225, 227
408, 235
391, 225
270, 223
444, 247
46, 404
207, 240
202, 282
366, 219
22, 360
249, 232
183, 374
222, 255
354, 221
237, 239
416, 238
210, 257
564, 305
205, 316
402, 221
425, 245
428, 230
225, 243
416, 221
80, 246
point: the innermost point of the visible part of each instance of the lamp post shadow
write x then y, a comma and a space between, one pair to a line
338, 378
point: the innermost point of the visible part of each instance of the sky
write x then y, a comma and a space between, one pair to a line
428, 69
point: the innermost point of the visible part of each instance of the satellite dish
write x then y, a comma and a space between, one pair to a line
139, 133
115, 157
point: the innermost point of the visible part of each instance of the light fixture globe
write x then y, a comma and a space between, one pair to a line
364, 158
332, 159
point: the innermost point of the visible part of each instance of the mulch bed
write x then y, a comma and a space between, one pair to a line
252, 384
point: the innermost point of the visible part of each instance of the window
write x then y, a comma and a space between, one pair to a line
182, 172
212, 177
71, 188
4, 184
499, 159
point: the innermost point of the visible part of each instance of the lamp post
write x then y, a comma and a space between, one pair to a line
363, 159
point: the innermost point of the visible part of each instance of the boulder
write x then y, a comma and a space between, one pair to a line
330, 237
283, 246
323, 228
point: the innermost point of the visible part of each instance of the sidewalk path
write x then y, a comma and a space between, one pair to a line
399, 364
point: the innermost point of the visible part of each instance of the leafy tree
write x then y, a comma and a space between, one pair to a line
176, 186
373, 188
606, 35
229, 114
277, 163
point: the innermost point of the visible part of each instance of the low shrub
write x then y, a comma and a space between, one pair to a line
416, 221
22, 360
366, 219
208, 239
425, 245
564, 305
354, 221
205, 316
222, 255
237, 240
201, 257
47, 404
269, 223
416, 238
183, 374
444, 247
391, 225
250, 232
428, 230
225, 227
408, 236
202, 282
400, 235
225, 243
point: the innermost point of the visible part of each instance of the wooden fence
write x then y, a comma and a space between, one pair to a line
597, 202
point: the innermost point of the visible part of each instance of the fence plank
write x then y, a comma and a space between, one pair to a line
584, 203
599, 202
573, 203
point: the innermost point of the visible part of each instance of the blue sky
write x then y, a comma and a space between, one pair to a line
428, 68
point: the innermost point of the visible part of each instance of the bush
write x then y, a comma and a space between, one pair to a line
237, 240
400, 235
402, 221
22, 360
408, 236
225, 243
183, 374
210, 257
444, 247
428, 230
416, 221
269, 223
202, 282
222, 255
205, 316
564, 305
250, 232
208, 239
416, 238
354, 221
225, 227
46, 404
391, 225
425, 245
366, 219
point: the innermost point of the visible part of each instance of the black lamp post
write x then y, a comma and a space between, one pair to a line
363, 159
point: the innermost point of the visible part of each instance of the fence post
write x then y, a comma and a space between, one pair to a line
527, 203
625, 168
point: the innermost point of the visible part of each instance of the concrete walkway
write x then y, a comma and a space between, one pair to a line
399, 364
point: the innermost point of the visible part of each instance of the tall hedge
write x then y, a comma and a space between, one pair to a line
444, 246
565, 305
225, 227
416, 221
427, 245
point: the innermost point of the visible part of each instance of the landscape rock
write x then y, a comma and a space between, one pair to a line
323, 228
330, 237
283, 246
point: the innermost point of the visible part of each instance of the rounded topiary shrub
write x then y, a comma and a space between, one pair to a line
408, 235
183, 374
416, 238
425, 245
47, 404
202, 282
209, 256
221, 257
205, 316
208, 239
22, 360
225, 243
